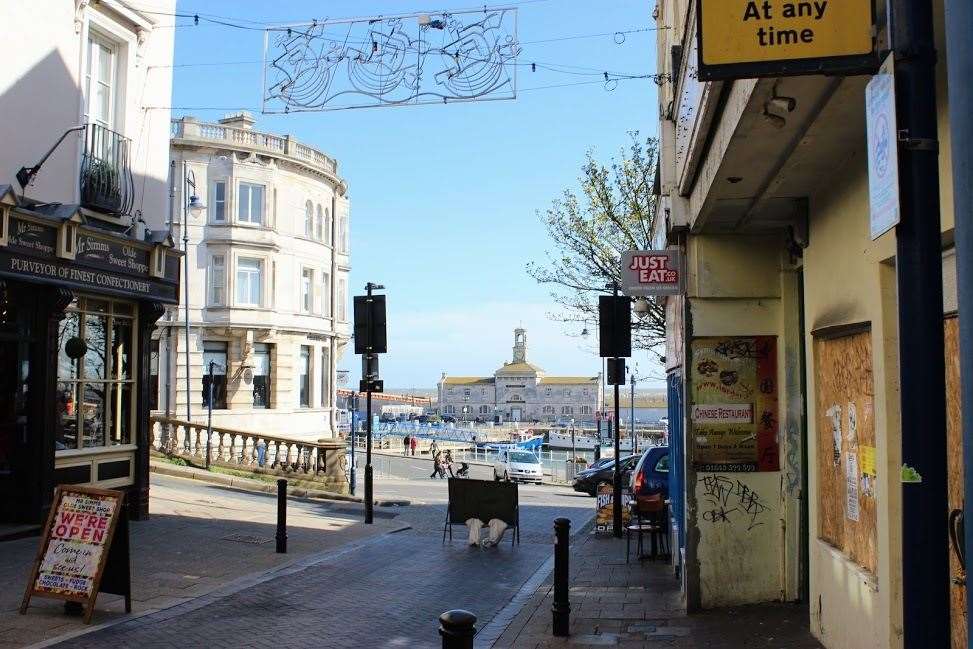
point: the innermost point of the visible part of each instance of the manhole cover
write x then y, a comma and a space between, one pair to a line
247, 538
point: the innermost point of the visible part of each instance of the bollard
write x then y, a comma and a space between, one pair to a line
457, 627
282, 516
561, 608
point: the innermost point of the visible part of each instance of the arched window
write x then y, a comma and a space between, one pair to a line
308, 219
327, 226
319, 233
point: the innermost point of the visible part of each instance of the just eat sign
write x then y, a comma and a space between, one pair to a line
652, 272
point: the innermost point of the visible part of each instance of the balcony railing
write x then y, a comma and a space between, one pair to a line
106, 171
322, 461
244, 137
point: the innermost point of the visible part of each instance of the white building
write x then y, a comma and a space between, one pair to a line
521, 391
267, 282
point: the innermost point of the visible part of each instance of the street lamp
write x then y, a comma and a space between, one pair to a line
194, 207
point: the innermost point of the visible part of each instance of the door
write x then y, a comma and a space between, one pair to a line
516, 414
13, 428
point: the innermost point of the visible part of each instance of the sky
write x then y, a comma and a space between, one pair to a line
445, 198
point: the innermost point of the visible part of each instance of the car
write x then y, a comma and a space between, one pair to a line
449, 419
651, 475
517, 465
603, 472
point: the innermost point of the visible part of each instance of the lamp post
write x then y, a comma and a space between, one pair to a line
635, 438
601, 402
194, 206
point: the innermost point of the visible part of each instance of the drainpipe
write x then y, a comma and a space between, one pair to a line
922, 364
959, 54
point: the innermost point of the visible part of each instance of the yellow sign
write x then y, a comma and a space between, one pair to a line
866, 455
751, 31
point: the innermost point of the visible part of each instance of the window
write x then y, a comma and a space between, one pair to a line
567, 392
585, 410
343, 234
567, 410
327, 226
154, 375
250, 203
307, 290
325, 377
449, 410
548, 410
547, 392
584, 391
304, 380
326, 294
308, 219
100, 79
319, 233
217, 280
342, 299
215, 353
95, 396
662, 466
218, 204
466, 393
261, 375
484, 410
248, 281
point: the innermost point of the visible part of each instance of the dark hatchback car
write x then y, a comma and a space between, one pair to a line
651, 475
588, 480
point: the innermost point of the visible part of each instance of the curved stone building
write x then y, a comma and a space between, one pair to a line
267, 281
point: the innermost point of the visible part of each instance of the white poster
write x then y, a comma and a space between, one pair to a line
883, 159
851, 484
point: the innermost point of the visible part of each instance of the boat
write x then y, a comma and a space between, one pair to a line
582, 442
526, 443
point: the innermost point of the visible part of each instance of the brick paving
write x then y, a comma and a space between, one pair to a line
614, 603
385, 592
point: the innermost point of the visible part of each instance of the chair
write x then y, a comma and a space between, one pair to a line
648, 516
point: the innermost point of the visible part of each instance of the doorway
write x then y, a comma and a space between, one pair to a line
516, 414
13, 428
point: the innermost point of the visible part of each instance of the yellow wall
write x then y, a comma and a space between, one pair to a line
848, 280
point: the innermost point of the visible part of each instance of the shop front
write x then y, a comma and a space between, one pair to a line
79, 296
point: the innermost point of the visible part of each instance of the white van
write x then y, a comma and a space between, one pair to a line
517, 465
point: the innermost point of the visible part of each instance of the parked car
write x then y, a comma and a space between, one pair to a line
449, 419
651, 475
518, 466
588, 480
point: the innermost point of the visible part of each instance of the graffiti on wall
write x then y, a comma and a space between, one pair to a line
729, 500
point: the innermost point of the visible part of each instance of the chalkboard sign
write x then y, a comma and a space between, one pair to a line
482, 499
77, 557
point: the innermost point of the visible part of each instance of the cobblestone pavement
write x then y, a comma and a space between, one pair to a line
638, 604
388, 592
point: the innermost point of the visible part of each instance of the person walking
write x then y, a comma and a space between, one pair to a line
437, 466
406, 444
433, 448
413, 445
448, 463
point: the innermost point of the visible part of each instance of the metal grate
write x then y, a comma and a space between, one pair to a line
247, 538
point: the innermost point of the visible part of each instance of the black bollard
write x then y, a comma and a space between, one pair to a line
457, 627
562, 606
282, 516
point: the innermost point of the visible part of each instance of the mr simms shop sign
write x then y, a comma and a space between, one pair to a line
101, 264
741, 39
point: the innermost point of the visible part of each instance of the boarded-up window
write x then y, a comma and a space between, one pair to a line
954, 444
846, 457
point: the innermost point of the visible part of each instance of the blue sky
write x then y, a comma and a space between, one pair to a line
444, 198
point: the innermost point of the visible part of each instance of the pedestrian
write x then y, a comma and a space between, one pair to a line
405, 445
437, 466
413, 445
448, 462
433, 448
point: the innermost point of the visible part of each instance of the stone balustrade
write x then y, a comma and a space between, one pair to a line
322, 461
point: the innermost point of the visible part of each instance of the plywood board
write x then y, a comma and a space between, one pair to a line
846, 466
954, 445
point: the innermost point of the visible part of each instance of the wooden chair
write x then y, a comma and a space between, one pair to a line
648, 516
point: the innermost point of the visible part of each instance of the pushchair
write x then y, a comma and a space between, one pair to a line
463, 471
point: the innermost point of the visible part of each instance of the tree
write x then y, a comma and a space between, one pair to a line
614, 212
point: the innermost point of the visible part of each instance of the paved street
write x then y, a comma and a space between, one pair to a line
386, 592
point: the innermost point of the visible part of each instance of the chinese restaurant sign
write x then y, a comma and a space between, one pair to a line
652, 272
75, 547
740, 39
734, 404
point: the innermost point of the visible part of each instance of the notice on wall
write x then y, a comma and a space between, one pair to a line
769, 34
734, 404
883, 155
75, 547
851, 487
